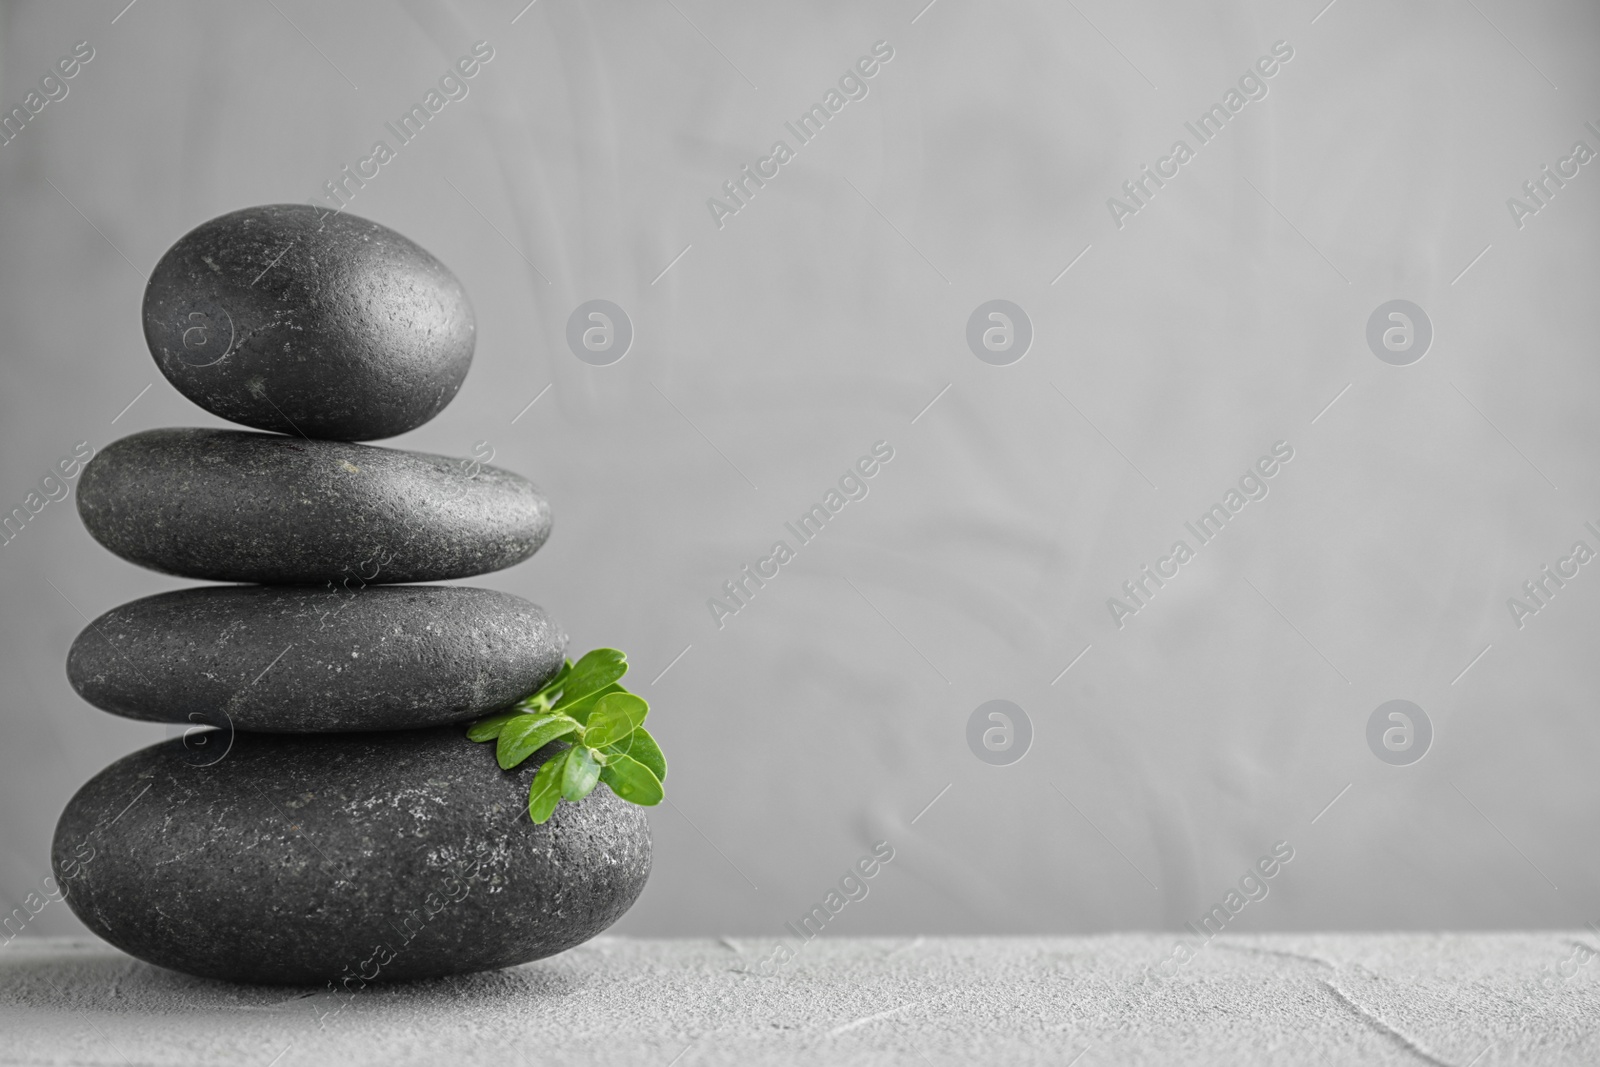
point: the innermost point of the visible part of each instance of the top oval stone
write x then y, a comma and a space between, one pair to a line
287, 318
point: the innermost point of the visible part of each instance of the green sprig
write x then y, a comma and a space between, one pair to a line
602, 726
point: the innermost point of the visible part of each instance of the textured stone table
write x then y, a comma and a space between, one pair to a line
1456, 999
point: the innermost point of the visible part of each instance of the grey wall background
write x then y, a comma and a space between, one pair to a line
825, 316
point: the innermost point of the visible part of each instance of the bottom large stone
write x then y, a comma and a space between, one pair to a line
342, 858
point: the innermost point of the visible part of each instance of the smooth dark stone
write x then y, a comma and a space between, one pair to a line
310, 859
286, 318
232, 506
316, 659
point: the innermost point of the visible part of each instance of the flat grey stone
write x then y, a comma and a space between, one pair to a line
342, 858
232, 506
286, 318
316, 659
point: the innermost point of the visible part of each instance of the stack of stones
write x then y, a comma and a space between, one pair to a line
325, 819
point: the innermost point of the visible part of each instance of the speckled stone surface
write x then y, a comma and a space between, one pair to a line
1408, 1000
356, 857
286, 318
316, 659
232, 506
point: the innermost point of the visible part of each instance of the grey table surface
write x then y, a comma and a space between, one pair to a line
1465, 1000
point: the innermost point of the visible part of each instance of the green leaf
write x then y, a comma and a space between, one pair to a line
632, 781
593, 672
489, 729
545, 792
559, 679
581, 773
519, 740
580, 708
541, 698
615, 716
642, 747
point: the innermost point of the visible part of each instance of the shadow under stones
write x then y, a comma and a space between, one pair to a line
105, 980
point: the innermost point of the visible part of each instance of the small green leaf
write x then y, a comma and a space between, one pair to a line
545, 792
580, 708
581, 773
632, 781
519, 740
615, 716
642, 747
489, 729
541, 698
593, 672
